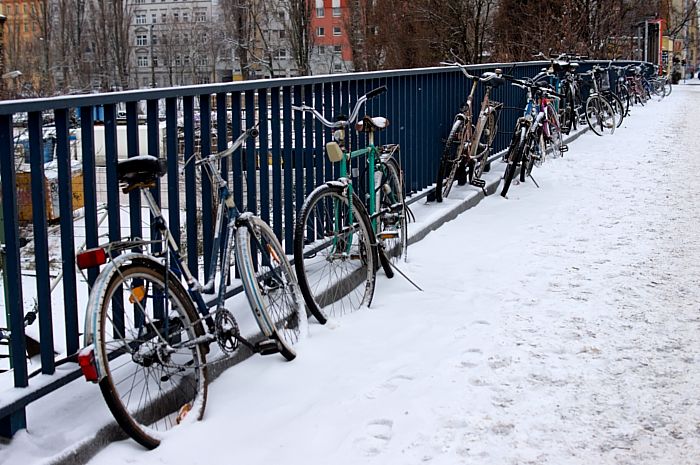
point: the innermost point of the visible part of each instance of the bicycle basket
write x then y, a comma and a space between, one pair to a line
604, 81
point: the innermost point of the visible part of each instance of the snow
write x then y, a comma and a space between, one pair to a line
558, 326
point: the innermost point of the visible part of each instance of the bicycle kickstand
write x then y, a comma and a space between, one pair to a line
404, 276
533, 180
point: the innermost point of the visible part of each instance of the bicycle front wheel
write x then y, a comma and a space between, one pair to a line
513, 157
335, 255
554, 137
484, 135
156, 375
600, 116
270, 285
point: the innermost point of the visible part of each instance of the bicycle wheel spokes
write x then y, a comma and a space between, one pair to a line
334, 259
155, 374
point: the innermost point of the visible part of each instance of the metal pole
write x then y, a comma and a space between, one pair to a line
153, 67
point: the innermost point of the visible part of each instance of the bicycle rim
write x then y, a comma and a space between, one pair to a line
155, 377
335, 259
392, 221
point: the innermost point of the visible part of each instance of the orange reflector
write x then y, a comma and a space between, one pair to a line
137, 294
184, 410
91, 258
272, 253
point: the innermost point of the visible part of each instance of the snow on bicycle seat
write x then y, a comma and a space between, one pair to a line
140, 171
492, 79
370, 124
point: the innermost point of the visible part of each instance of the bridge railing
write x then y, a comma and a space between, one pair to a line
51, 210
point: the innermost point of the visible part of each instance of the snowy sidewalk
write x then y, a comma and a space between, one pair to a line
559, 326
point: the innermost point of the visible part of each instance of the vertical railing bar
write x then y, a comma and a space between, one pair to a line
65, 194
251, 156
236, 157
328, 133
319, 147
154, 138
298, 152
288, 170
337, 111
276, 162
264, 156
41, 247
309, 162
205, 134
87, 142
132, 149
172, 154
192, 225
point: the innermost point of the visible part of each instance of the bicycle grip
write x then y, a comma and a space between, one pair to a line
374, 92
253, 132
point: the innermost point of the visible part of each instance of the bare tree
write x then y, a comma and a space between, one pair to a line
301, 37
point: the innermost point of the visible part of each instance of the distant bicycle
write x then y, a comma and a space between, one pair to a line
148, 328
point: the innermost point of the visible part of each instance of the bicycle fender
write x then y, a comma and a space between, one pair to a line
97, 294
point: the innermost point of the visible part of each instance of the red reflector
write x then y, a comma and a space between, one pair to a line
91, 258
86, 360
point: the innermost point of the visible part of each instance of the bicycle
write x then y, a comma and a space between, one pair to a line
469, 146
147, 333
529, 142
339, 240
600, 115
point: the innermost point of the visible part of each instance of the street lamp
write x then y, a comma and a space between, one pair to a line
153, 67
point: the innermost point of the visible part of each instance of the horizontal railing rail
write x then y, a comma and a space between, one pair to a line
84, 136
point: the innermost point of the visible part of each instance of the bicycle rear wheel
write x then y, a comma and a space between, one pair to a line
600, 116
270, 285
335, 258
155, 375
393, 221
554, 137
485, 134
452, 158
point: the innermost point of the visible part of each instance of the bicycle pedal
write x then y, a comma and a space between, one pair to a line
267, 347
478, 183
563, 148
388, 234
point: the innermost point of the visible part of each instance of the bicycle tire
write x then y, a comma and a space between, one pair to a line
600, 116
392, 197
330, 288
624, 95
171, 384
555, 139
484, 135
452, 155
668, 88
617, 106
513, 157
270, 285
528, 157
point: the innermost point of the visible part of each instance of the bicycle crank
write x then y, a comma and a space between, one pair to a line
227, 334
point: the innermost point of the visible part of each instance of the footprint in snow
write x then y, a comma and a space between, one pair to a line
389, 386
378, 433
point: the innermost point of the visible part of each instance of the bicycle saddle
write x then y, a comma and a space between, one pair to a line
492, 79
141, 171
371, 124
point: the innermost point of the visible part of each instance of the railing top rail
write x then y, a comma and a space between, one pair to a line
83, 100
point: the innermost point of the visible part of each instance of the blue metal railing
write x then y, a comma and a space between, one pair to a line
270, 176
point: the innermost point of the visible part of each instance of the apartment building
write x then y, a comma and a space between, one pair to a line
330, 22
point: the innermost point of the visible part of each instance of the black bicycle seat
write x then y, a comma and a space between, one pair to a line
140, 171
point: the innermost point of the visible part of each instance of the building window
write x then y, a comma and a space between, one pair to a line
154, 18
141, 39
178, 60
281, 54
321, 50
202, 60
336, 12
320, 12
140, 18
337, 67
176, 17
155, 61
187, 60
200, 16
142, 61
336, 30
337, 49
282, 33
320, 32
164, 17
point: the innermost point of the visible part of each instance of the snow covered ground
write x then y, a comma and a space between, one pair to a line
559, 326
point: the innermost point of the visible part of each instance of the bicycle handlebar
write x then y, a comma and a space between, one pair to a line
235, 145
353, 116
462, 67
